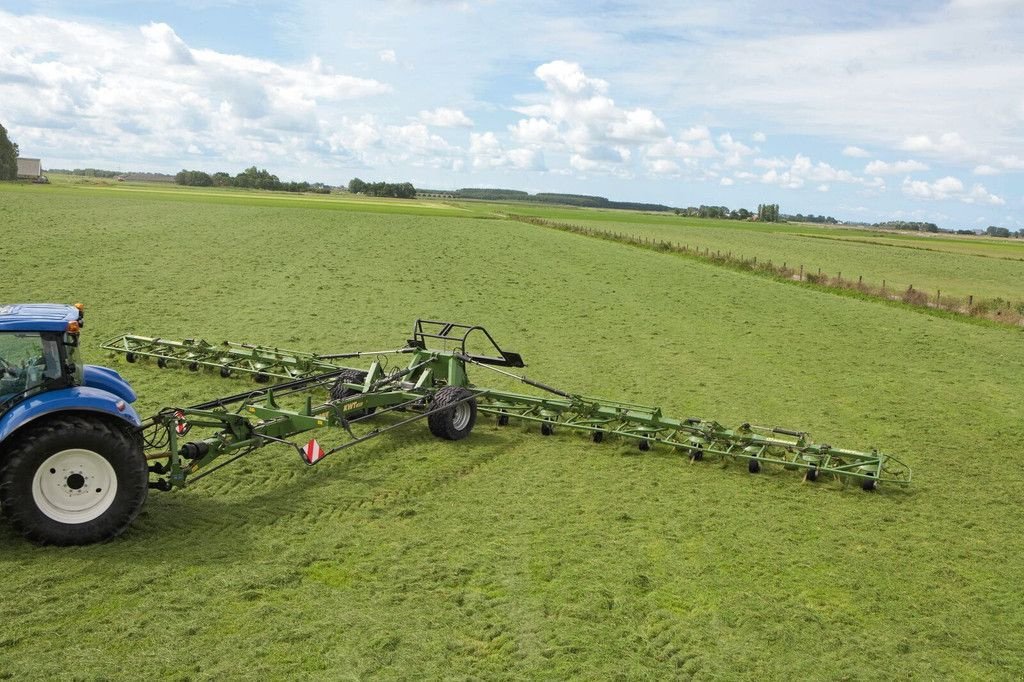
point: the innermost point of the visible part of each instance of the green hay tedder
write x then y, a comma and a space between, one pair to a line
435, 386
76, 460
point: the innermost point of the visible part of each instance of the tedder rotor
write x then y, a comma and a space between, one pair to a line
184, 444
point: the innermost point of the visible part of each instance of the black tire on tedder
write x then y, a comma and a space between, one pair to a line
185, 444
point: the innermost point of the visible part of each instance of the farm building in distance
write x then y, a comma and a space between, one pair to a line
30, 168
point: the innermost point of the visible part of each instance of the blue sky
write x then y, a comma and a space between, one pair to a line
864, 111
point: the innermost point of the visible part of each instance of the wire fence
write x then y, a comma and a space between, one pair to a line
995, 309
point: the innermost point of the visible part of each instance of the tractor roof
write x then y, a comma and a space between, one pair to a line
37, 317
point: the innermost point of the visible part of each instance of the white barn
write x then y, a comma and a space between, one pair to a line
29, 168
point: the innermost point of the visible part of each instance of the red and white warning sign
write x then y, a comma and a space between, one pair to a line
181, 425
312, 452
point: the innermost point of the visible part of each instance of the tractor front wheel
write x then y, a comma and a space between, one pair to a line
74, 480
455, 422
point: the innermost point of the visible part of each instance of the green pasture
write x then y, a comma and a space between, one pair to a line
509, 555
979, 267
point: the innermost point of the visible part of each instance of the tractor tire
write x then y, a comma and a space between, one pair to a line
339, 391
74, 480
457, 421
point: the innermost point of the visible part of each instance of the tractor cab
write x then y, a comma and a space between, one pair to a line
38, 351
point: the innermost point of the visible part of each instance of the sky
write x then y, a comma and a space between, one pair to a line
866, 111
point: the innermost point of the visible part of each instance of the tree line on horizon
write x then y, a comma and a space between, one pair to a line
396, 190
251, 178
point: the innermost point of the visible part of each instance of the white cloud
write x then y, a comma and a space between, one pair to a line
164, 44
985, 169
726, 182
638, 125
536, 131
759, 137
443, 117
796, 172
96, 93
950, 187
856, 152
695, 134
947, 144
822, 187
894, 168
487, 152
980, 195
942, 188
663, 167
388, 56
567, 78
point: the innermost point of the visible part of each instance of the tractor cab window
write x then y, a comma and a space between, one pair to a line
28, 360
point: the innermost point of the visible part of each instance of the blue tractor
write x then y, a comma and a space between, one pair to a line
72, 468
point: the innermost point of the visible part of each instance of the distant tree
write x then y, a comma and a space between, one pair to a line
257, 178
356, 186
193, 178
221, 179
8, 157
994, 231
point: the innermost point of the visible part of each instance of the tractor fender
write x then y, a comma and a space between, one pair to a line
108, 380
75, 399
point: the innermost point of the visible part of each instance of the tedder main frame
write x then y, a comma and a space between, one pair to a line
184, 444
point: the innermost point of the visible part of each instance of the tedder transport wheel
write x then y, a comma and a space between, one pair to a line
457, 421
74, 480
339, 391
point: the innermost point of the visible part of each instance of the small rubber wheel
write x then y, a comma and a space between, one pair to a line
697, 455
597, 436
644, 445
812, 474
455, 415
225, 372
161, 362
753, 466
546, 429
261, 378
129, 357
74, 480
193, 366
503, 419
869, 485
339, 391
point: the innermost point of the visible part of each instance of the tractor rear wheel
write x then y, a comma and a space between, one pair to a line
455, 422
339, 391
74, 480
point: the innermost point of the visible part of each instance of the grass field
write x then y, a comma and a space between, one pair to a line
508, 555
